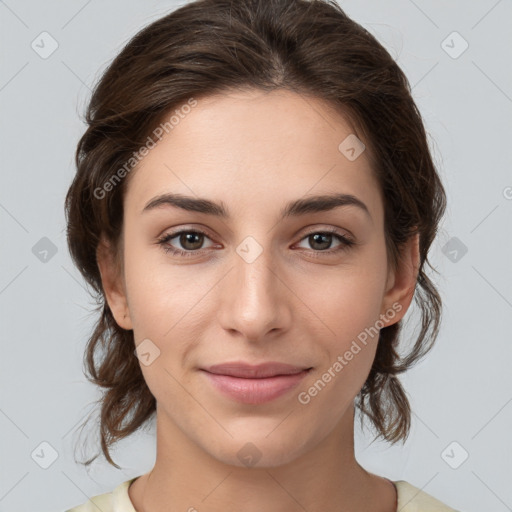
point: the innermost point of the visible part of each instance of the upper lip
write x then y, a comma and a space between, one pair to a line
259, 371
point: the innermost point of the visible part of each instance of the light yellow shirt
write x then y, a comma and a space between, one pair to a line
410, 499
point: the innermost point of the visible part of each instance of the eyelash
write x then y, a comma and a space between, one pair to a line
346, 243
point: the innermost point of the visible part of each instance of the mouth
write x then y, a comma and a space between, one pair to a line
259, 371
255, 384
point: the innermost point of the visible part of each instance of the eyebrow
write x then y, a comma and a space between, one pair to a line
312, 204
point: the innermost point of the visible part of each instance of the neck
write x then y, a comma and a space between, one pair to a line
326, 476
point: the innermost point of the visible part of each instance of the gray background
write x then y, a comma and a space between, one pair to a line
461, 393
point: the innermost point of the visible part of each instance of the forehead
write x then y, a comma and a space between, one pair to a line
254, 150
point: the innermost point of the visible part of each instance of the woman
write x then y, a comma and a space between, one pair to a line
254, 204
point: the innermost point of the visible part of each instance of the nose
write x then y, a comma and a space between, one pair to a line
255, 300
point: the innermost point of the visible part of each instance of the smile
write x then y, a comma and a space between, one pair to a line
256, 390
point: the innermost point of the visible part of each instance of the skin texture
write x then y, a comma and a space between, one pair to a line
254, 152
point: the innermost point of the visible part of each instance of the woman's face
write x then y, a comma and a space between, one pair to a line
255, 286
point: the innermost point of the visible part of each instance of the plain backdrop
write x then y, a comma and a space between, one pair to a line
457, 56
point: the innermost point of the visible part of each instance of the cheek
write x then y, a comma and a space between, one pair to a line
343, 311
153, 291
167, 301
345, 300
347, 309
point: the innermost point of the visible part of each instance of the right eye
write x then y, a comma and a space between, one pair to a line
190, 239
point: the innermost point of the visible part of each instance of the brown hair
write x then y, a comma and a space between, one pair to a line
208, 46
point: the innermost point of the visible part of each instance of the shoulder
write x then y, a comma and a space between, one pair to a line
117, 500
412, 499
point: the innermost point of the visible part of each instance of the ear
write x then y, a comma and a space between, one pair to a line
113, 283
401, 282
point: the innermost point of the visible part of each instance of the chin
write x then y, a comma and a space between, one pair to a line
259, 450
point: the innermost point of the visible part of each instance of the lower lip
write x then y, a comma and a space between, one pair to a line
255, 391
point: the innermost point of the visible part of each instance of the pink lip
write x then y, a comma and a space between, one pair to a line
255, 384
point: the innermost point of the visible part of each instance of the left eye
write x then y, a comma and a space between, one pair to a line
324, 240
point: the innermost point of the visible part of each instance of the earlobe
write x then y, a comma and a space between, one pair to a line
113, 284
400, 292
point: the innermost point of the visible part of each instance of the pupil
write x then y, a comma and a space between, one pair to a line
318, 236
189, 238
